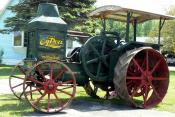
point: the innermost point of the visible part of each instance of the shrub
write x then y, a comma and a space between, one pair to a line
1, 54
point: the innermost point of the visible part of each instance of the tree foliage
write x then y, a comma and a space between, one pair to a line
168, 33
143, 29
73, 12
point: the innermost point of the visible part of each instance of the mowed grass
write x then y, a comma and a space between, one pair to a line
12, 107
168, 103
5, 71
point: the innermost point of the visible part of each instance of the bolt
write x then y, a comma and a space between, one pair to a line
50, 86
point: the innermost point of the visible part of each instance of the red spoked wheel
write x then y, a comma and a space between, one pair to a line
146, 77
53, 88
133, 70
17, 77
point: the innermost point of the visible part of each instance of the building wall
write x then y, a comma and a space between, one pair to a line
12, 55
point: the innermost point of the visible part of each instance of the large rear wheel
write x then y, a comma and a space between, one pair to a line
142, 77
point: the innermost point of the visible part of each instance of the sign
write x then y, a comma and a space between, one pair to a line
51, 42
49, 56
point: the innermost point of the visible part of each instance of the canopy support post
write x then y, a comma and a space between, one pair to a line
161, 23
135, 29
129, 14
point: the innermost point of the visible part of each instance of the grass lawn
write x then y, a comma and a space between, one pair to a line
5, 71
12, 107
168, 104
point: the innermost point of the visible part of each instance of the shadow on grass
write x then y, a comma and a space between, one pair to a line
85, 104
80, 103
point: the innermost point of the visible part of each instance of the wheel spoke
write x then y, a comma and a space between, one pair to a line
102, 53
48, 104
138, 66
38, 99
143, 62
159, 78
60, 73
95, 50
22, 70
104, 60
65, 92
103, 47
51, 70
67, 82
92, 61
154, 68
58, 100
40, 72
17, 85
98, 69
36, 81
145, 95
23, 92
13, 76
40, 92
133, 78
129, 82
155, 92
67, 87
37, 89
131, 73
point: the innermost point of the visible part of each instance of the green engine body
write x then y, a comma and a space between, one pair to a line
47, 34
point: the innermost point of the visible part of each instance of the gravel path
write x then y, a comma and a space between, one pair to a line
4, 86
106, 109
171, 68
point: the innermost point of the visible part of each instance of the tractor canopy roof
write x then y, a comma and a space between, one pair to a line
120, 14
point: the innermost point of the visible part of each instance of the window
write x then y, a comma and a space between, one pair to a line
18, 40
26, 37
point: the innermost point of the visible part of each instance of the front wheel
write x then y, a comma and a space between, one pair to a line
53, 86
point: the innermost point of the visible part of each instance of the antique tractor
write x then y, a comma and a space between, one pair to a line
136, 71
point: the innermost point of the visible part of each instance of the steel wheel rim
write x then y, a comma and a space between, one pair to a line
99, 57
51, 92
151, 76
16, 79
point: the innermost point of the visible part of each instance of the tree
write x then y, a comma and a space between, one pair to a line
168, 33
72, 12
